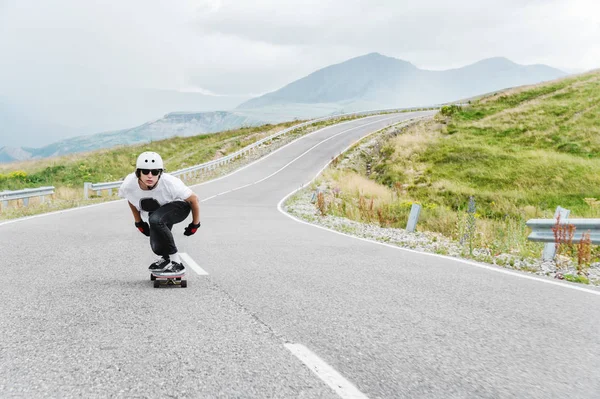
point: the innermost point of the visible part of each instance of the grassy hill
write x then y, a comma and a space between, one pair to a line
535, 147
114, 164
518, 154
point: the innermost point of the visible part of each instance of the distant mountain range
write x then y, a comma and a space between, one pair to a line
372, 81
173, 124
376, 81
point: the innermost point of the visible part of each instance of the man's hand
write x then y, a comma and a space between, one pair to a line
191, 229
143, 227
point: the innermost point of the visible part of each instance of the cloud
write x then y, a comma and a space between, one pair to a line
57, 56
434, 33
226, 46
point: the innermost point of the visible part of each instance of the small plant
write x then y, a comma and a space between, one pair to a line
384, 217
563, 239
449, 110
321, 204
366, 209
469, 233
576, 279
584, 254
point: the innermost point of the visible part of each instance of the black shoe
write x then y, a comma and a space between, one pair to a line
173, 269
159, 265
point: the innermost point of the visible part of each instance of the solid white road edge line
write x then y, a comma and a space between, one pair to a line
190, 262
344, 388
496, 269
298, 157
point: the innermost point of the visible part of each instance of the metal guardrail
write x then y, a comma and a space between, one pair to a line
25, 194
541, 229
194, 170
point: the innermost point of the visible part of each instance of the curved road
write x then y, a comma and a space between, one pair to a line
286, 310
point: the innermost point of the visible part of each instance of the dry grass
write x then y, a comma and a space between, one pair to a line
415, 140
356, 184
39, 164
63, 198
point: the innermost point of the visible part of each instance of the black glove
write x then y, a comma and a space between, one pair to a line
143, 227
191, 229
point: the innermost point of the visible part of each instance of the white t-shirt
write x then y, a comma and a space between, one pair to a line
168, 189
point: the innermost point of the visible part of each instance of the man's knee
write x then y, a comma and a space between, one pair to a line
154, 218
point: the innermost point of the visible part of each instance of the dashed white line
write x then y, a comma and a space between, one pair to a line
344, 388
190, 262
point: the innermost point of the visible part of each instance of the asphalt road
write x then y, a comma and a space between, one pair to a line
79, 316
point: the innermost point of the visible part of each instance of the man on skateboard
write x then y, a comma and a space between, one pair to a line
166, 200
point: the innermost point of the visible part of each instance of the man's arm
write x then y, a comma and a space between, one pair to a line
195, 205
136, 214
142, 226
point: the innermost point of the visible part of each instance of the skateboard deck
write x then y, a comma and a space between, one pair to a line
172, 280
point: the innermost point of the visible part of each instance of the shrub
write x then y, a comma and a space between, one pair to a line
17, 175
449, 110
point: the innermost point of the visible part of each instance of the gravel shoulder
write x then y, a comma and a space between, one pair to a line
303, 206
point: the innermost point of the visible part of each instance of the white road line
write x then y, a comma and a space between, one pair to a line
190, 262
344, 388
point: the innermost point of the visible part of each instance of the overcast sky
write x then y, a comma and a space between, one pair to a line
252, 47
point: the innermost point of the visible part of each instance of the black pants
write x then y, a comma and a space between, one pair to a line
161, 221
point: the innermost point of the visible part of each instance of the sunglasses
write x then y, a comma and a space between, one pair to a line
155, 172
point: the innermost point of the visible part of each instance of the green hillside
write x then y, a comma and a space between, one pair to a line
114, 164
518, 154
537, 147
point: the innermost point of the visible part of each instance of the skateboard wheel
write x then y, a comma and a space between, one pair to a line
152, 277
183, 283
156, 283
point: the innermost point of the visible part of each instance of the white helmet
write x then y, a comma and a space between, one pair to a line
149, 160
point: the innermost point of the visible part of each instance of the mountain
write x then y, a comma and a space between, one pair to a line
352, 79
375, 81
45, 117
173, 124
372, 81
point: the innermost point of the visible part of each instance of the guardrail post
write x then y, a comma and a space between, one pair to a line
25, 201
550, 248
415, 211
86, 190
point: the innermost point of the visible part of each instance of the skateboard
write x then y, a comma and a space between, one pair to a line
160, 280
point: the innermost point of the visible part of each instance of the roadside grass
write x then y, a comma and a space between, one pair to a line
69, 172
115, 163
517, 155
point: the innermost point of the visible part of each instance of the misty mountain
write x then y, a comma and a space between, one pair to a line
174, 124
375, 81
372, 81
41, 118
